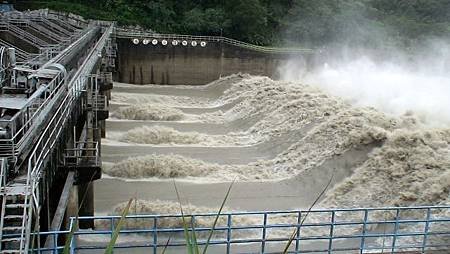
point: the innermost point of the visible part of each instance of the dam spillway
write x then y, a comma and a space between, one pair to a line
181, 112
281, 142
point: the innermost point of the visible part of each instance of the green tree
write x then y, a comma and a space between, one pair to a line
249, 21
305, 22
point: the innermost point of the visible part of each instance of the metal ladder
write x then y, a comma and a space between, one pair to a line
13, 211
14, 218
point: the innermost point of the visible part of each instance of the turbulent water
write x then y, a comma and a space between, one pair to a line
164, 135
412, 167
408, 165
158, 207
163, 166
170, 207
157, 112
173, 101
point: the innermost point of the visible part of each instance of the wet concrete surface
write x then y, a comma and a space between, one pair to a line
298, 192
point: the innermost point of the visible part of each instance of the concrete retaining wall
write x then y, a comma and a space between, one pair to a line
188, 65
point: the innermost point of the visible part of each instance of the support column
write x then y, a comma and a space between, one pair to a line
72, 205
86, 202
67, 207
222, 58
103, 128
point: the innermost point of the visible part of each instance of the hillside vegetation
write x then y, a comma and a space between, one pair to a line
266, 22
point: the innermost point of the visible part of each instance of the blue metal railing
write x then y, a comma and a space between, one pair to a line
360, 230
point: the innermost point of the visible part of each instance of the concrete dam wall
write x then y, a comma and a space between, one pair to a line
189, 65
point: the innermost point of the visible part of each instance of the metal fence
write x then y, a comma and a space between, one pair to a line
132, 34
83, 154
362, 230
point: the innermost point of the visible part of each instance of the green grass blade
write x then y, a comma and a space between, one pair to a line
70, 236
291, 239
194, 238
112, 243
187, 235
211, 233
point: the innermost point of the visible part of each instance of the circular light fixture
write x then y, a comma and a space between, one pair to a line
154, 41
193, 43
174, 42
164, 42
184, 43
136, 41
203, 43
145, 41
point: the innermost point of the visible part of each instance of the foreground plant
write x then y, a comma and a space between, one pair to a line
294, 234
190, 237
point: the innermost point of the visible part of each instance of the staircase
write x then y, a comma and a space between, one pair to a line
13, 220
14, 216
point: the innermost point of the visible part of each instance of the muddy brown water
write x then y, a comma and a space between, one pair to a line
298, 192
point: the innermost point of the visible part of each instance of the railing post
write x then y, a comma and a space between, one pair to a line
55, 242
72, 244
297, 240
155, 235
112, 227
263, 239
330, 243
228, 233
394, 239
363, 236
426, 229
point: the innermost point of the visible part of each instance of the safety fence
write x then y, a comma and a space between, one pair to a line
359, 230
83, 153
188, 39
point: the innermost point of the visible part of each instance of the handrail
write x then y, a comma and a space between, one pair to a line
351, 229
41, 29
68, 50
70, 16
2, 173
125, 33
58, 28
86, 151
100, 102
58, 33
26, 128
53, 87
35, 41
20, 53
2, 186
53, 130
46, 13
36, 161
